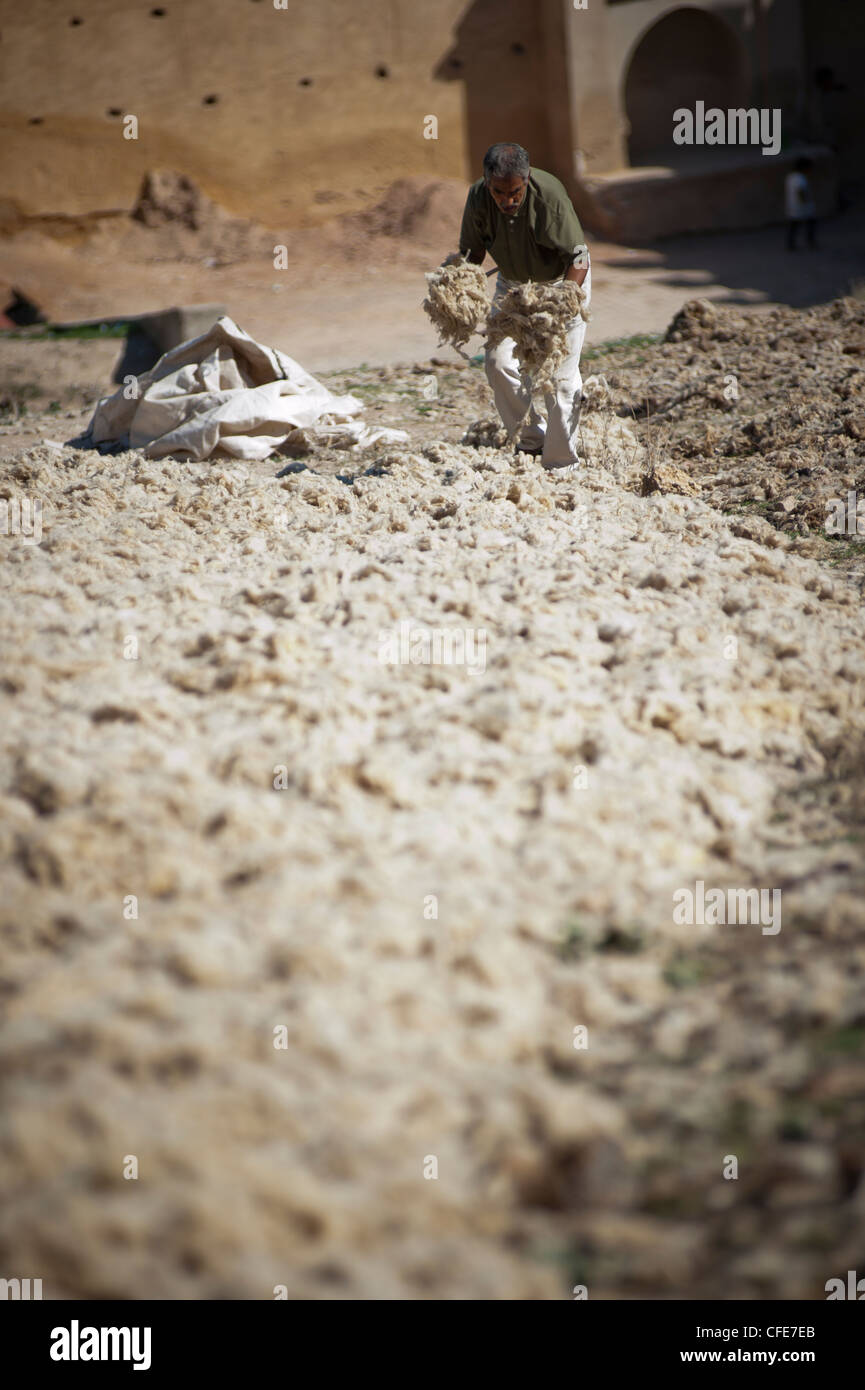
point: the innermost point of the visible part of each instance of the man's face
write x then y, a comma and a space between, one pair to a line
508, 190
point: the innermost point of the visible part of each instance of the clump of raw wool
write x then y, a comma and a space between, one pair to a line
596, 393
537, 317
666, 477
488, 433
456, 302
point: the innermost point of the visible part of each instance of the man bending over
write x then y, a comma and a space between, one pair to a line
524, 218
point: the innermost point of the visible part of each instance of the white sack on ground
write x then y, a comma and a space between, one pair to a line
225, 392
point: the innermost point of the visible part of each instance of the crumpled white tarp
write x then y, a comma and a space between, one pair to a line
226, 392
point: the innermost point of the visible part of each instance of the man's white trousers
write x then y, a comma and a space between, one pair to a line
512, 390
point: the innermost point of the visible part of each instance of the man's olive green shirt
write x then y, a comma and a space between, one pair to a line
538, 243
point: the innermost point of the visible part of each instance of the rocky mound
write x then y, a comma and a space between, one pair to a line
765, 411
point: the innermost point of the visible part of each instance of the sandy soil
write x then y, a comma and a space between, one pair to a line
287, 922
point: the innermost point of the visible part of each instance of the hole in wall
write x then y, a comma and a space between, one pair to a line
210, 100
382, 71
35, 120
305, 82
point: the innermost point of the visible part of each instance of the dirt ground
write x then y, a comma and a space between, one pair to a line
370, 961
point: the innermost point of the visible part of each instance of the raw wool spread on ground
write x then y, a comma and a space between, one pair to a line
284, 805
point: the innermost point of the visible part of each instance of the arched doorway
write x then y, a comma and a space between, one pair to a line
687, 56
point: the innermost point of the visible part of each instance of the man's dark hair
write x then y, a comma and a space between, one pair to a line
506, 158
803, 164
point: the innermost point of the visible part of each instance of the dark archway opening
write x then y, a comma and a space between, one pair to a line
688, 56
